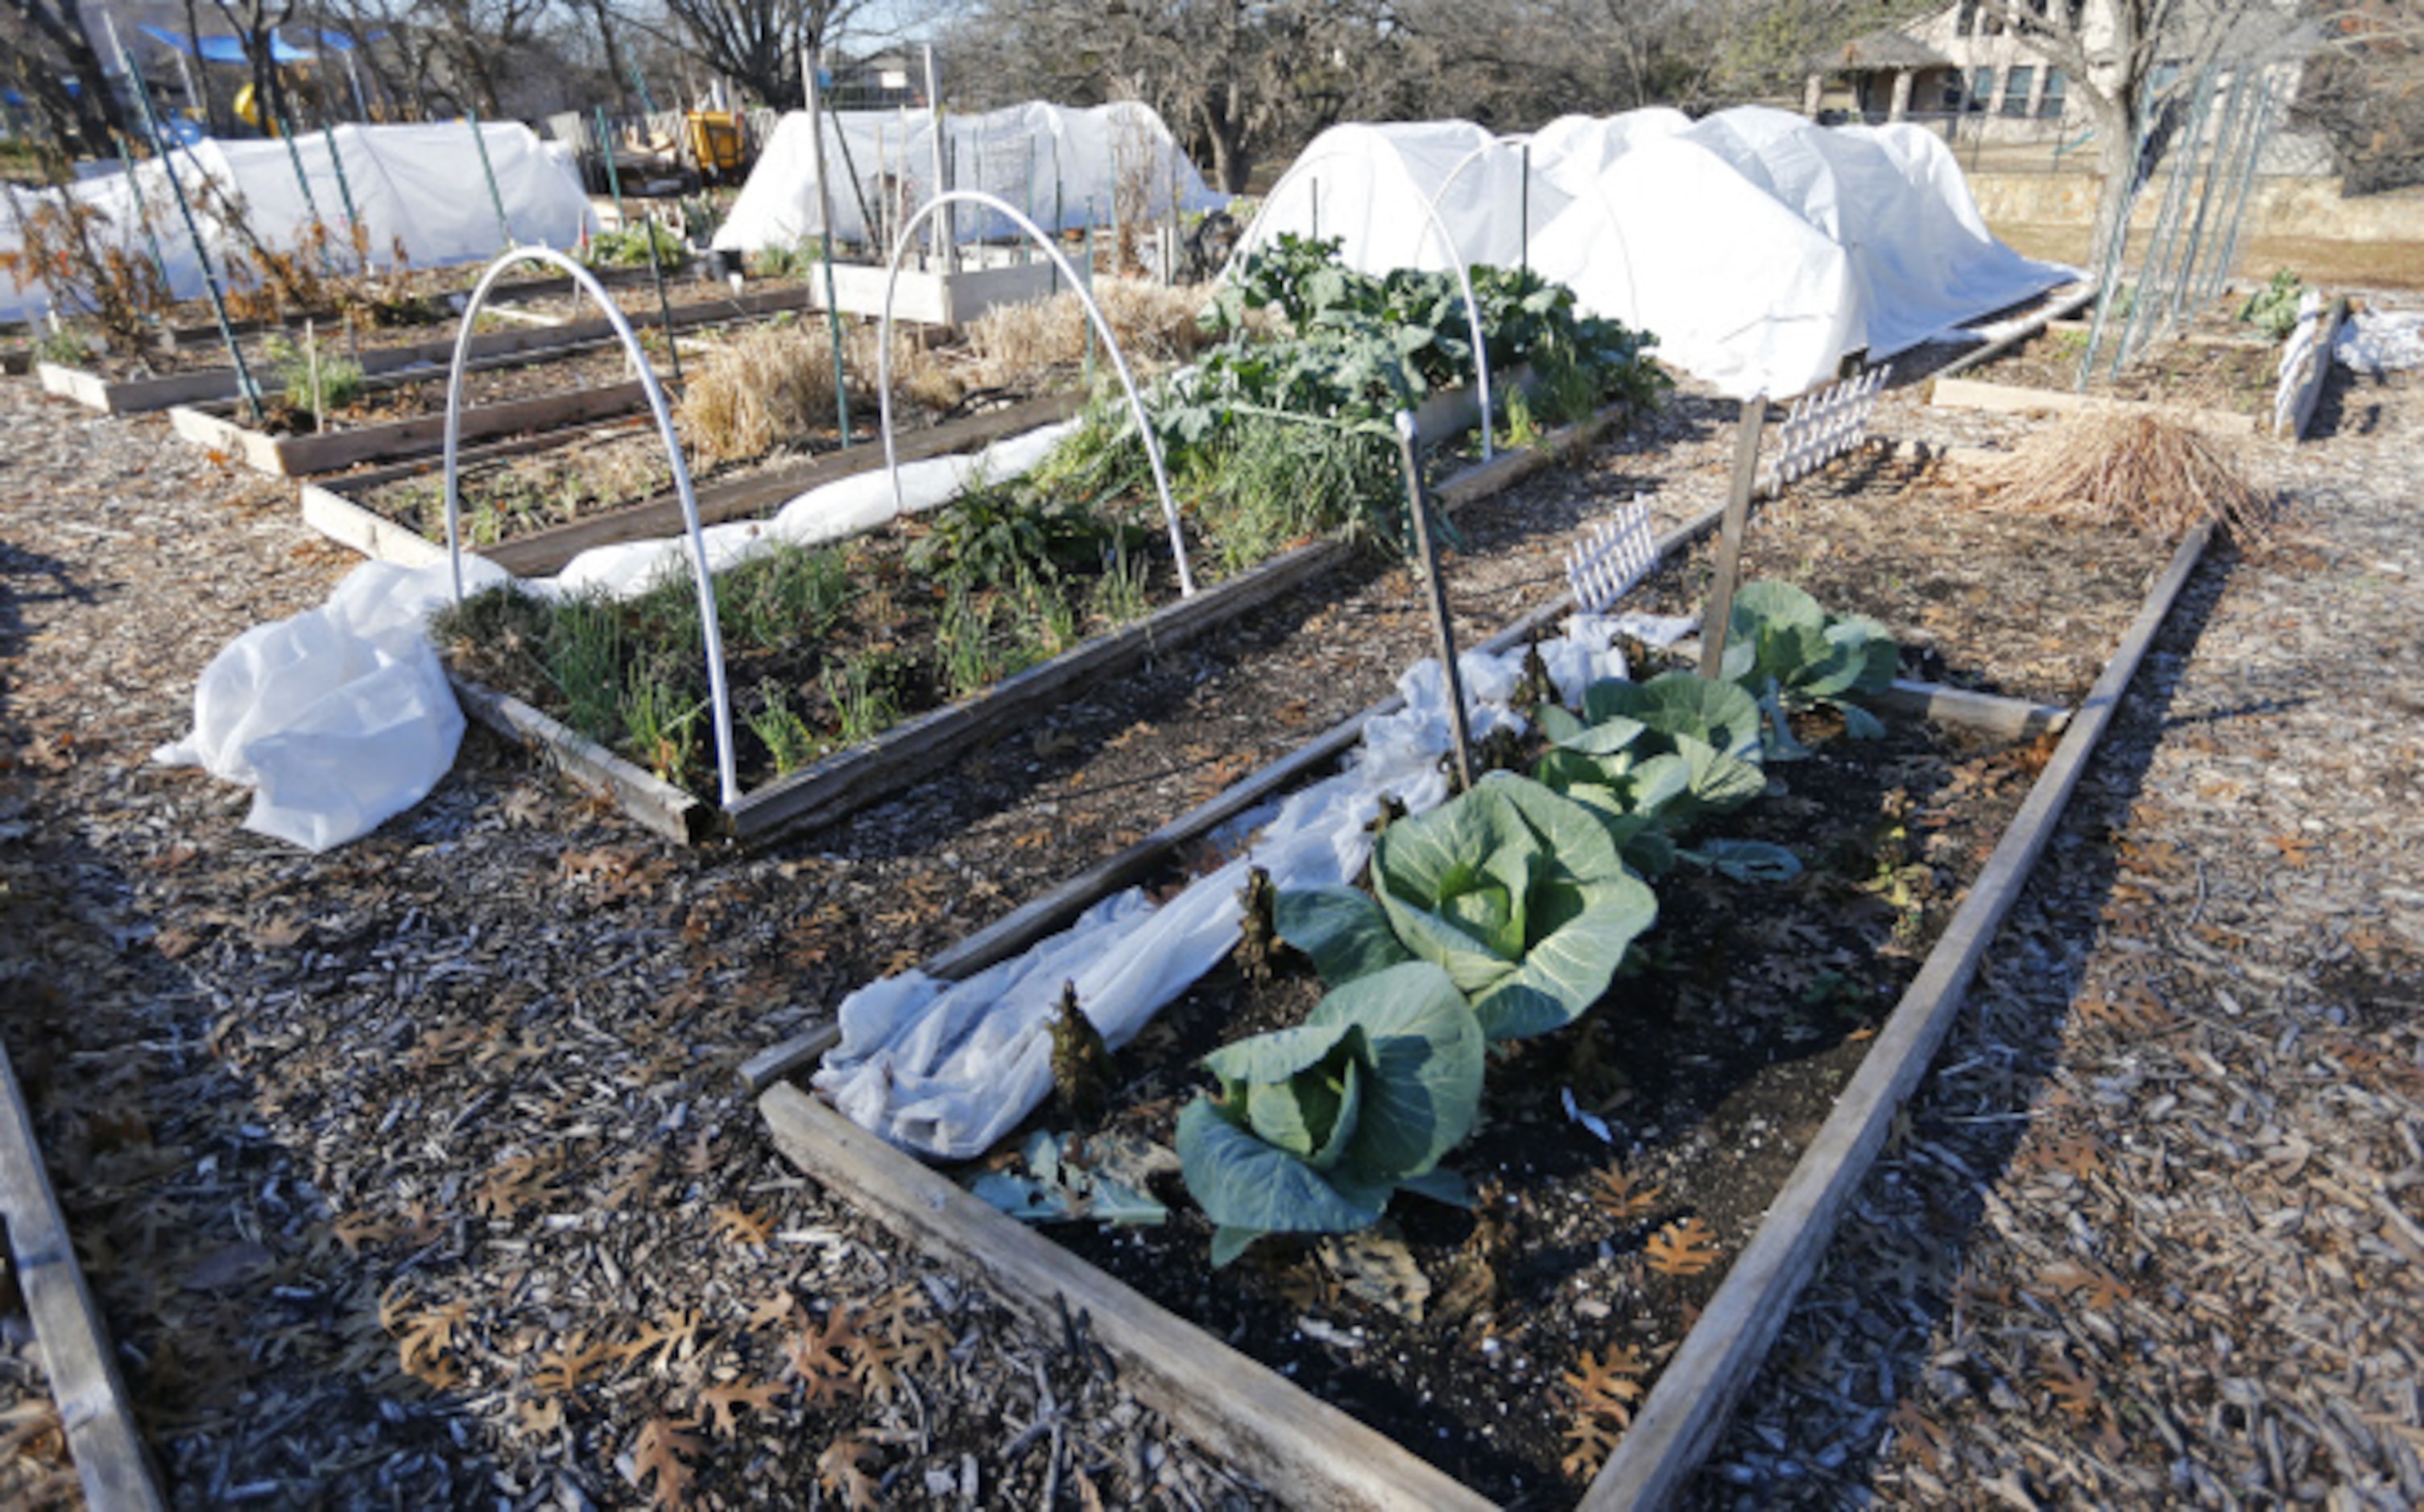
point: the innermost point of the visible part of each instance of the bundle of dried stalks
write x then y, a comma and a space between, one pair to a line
2140, 472
1019, 346
774, 386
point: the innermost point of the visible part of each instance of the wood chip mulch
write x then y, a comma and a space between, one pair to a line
416, 1173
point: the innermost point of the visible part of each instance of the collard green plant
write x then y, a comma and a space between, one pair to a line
1790, 653
1315, 1127
1518, 893
2273, 309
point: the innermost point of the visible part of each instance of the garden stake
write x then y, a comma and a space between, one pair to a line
211, 281
1719, 610
1418, 508
664, 310
1090, 284
496, 200
312, 356
1524, 226
311, 202
345, 194
614, 176
824, 245
142, 211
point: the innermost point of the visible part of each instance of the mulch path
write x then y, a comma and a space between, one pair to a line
416, 1173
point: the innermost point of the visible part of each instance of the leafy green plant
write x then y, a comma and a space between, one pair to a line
1517, 892
661, 723
1652, 758
1790, 653
338, 377
2273, 309
789, 741
963, 642
994, 534
860, 692
1314, 1128
66, 347
795, 261
627, 247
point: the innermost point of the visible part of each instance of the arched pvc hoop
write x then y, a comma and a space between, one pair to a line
1493, 145
718, 694
900, 244
1455, 257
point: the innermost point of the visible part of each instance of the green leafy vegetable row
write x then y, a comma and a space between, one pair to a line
1502, 915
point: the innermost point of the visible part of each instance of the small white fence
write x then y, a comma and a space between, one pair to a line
1822, 425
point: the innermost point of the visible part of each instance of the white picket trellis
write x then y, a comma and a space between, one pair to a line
1822, 425
1612, 556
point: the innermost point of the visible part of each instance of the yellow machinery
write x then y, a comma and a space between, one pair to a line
718, 143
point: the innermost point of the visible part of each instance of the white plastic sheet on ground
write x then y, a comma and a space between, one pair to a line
420, 187
339, 717
945, 1070
2374, 343
1760, 247
1063, 167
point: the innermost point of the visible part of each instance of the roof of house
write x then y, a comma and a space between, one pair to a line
1887, 49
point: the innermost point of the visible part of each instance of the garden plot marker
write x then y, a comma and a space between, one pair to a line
1720, 606
1435, 596
1612, 556
1822, 425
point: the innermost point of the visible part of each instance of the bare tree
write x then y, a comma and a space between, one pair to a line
756, 42
2363, 91
2109, 49
43, 42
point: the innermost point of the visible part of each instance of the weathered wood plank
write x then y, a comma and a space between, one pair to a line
1696, 1394
2004, 398
1297, 1446
376, 536
299, 456
102, 1438
2310, 392
656, 803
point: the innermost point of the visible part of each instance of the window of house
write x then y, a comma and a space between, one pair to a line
1965, 18
1982, 88
2017, 80
2163, 78
2050, 106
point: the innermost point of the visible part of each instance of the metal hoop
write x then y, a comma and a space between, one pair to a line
1093, 312
704, 580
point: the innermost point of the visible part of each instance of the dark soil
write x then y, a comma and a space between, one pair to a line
2212, 373
1712, 1062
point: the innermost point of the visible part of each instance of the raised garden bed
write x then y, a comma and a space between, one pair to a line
581, 490
1758, 1044
532, 317
829, 787
2223, 387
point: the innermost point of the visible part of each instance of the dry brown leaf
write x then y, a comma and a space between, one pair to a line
673, 1336
561, 1370
742, 1229
723, 1403
664, 1450
1615, 1193
819, 1358
842, 1470
1683, 1247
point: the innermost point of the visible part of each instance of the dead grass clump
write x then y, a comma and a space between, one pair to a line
2139, 471
1020, 347
773, 386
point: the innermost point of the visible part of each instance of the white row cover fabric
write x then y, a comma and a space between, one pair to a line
417, 186
1760, 247
342, 717
2377, 341
339, 717
946, 1069
1061, 167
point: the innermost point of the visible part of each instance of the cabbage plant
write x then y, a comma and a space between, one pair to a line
1315, 1127
1519, 894
1652, 758
1790, 653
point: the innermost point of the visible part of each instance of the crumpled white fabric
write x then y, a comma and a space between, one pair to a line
847, 506
946, 1069
2374, 343
339, 717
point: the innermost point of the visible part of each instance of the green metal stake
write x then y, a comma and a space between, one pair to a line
614, 174
640, 80
496, 200
825, 244
142, 209
345, 193
664, 310
310, 200
211, 281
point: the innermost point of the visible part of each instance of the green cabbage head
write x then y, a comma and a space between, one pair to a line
1315, 1127
1517, 893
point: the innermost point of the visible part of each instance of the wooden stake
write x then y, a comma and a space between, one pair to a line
1435, 596
1720, 607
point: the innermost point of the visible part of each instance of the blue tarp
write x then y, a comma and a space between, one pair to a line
230, 49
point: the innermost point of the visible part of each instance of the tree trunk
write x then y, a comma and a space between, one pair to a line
2116, 164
